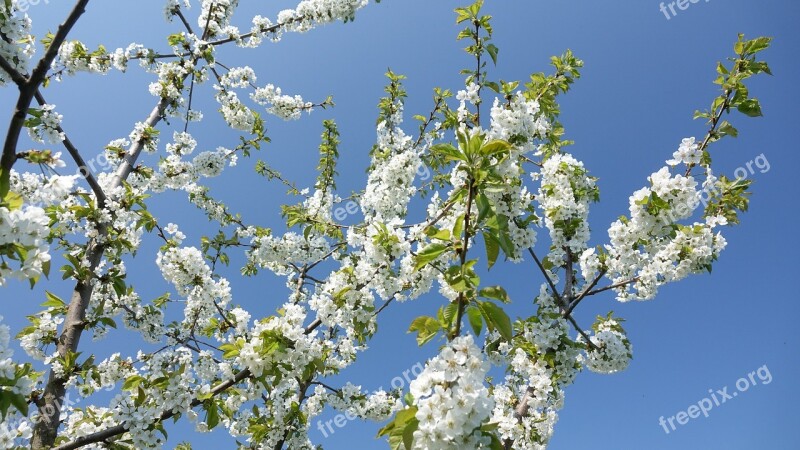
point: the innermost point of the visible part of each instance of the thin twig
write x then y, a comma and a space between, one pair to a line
546, 275
571, 307
76, 156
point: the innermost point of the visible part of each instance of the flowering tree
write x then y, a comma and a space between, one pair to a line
502, 171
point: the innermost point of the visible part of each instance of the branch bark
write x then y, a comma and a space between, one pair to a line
28, 89
46, 429
462, 300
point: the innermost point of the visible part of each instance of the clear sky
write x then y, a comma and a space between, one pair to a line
644, 76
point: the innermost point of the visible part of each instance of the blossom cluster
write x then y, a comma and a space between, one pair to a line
612, 351
23, 234
377, 406
41, 189
542, 360
10, 380
565, 195
236, 114
187, 270
652, 247
17, 46
452, 399
688, 153
279, 253
282, 106
177, 172
390, 183
519, 121
312, 13
14, 382
215, 16
45, 126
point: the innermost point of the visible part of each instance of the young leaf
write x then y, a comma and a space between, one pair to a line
426, 327
428, 254
495, 293
496, 318
475, 319
751, 108
492, 248
495, 147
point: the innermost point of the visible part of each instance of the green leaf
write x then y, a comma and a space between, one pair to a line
132, 382
751, 108
493, 51
442, 235
212, 416
758, 44
458, 226
496, 319
140, 397
428, 254
475, 320
495, 147
484, 206
13, 201
426, 327
107, 321
492, 248
5, 403
5, 183
449, 152
495, 293
726, 129
19, 402
447, 315
408, 433
397, 427
175, 39
53, 301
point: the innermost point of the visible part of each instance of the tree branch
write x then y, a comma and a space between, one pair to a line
546, 275
29, 88
613, 286
18, 78
572, 305
116, 430
46, 430
76, 156
464, 247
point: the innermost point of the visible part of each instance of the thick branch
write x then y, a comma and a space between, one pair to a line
46, 430
29, 88
462, 301
566, 297
18, 78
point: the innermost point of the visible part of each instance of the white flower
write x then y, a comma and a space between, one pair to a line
688, 153
47, 123
283, 106
452, 398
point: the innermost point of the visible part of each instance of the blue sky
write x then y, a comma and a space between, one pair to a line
644, 76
